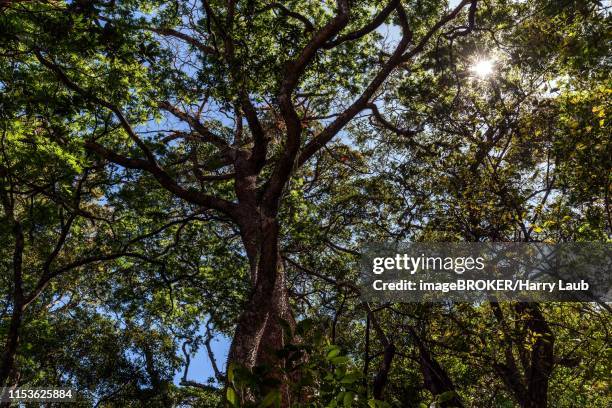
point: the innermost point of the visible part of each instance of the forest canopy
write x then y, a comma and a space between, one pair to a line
174, 173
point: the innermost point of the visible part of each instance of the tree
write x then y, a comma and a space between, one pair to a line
276, 139
79, 263
487, 165
271, 80
49, 215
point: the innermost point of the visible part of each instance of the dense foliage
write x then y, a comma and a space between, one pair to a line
174, 172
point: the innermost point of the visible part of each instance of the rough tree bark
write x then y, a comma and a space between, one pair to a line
259, 330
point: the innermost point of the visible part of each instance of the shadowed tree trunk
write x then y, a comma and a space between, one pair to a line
7, 362
382, 376
531, 389
383, 372
7, 358
259, 329
542, 356
435, 378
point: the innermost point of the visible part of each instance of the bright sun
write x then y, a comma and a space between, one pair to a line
483, 67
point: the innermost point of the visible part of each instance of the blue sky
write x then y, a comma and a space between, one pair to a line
200, 368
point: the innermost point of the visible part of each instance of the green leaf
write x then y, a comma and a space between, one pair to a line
273, 398
333, 352
340, 360
446, 396
351, 378
232, 397
348, 399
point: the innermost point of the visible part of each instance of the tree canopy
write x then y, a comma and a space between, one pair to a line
173, 172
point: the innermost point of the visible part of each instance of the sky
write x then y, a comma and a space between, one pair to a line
200, 369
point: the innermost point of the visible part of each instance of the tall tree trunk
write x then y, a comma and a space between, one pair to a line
508, 370
435, 377
542, 356
380, 381
259, 333
7, 362
531, 389
7, 358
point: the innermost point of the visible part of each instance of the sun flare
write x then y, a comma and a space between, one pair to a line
483, 67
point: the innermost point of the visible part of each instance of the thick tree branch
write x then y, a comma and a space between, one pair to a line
260, 141
296, 68
293, 73
398, 57
164, 179
308, 26
366, 29
433, 30
465, 30
150, 164
362, 101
